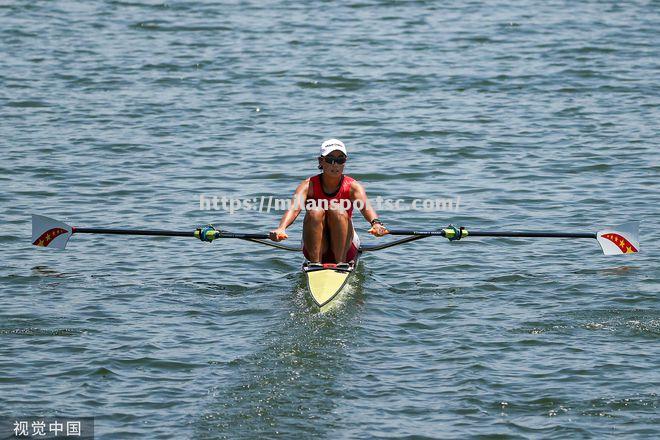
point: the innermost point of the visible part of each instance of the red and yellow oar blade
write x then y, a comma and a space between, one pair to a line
622, 239
48, 232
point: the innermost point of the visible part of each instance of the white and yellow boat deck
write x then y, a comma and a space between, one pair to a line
326, 282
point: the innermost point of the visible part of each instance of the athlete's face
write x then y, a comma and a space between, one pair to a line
331, 163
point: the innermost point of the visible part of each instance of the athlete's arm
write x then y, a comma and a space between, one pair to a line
297, 202
368, 212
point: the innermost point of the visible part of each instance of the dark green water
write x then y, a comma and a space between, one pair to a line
539, 115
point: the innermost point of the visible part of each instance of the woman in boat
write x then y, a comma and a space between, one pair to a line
329, 199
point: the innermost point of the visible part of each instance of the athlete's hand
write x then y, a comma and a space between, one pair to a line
378, 230
277, 235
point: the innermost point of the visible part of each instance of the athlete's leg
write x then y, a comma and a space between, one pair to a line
341, 233
314, 238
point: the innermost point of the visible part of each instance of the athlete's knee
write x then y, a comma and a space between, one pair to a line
338, 213
314, 215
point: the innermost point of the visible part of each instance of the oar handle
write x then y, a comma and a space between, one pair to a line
440, 233
242, 236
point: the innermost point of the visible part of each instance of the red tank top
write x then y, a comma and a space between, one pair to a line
343, 193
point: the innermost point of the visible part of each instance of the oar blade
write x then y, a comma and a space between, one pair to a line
622, 239
48, 232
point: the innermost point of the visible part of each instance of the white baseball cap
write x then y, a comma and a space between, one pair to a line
331, 145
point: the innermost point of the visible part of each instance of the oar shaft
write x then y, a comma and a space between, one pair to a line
471, 233
133, 232
159, 233
531, 234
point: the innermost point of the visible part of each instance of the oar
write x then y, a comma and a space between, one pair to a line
621, 239
48, 232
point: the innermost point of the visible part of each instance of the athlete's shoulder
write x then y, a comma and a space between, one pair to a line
356, 187
308, 185
349, 180
304, 184
352, 181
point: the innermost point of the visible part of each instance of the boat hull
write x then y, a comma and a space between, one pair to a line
326, 283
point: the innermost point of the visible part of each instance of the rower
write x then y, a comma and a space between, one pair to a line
329, 199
